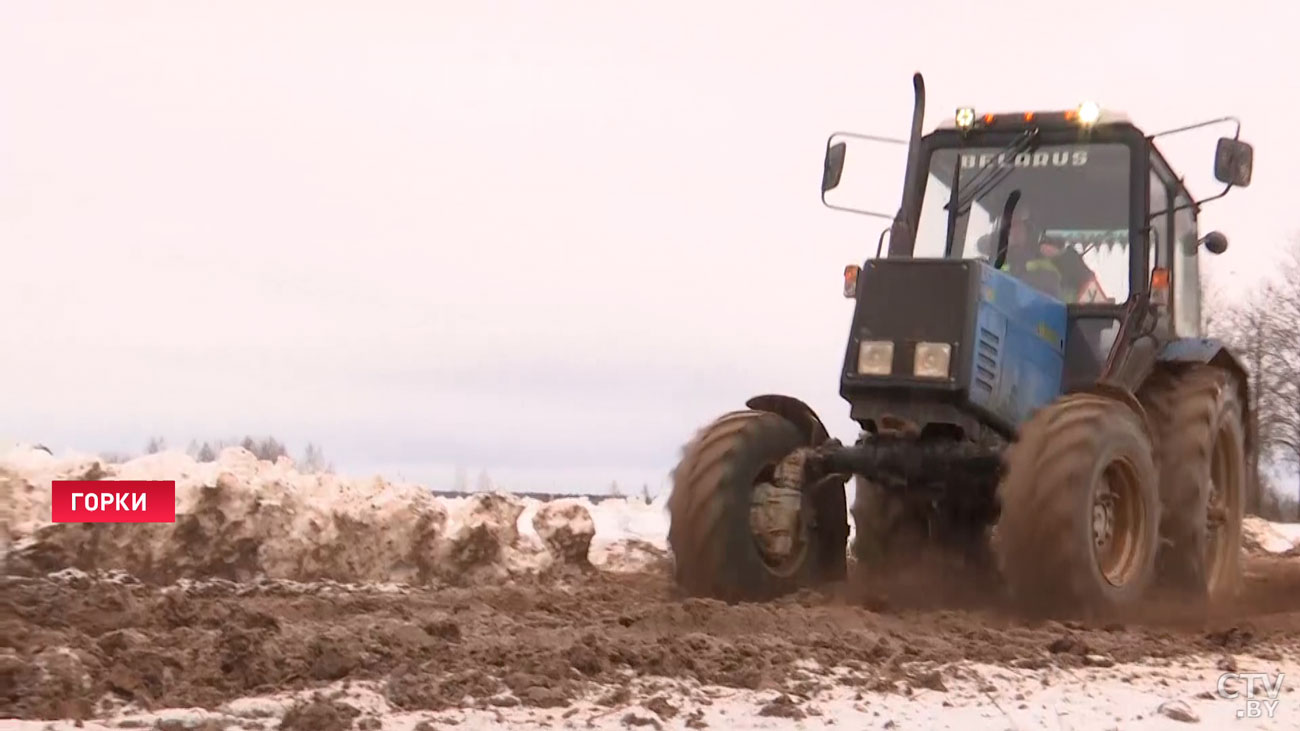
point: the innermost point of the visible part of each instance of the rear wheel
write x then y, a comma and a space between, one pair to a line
735, 533
1079, 508
1202, 460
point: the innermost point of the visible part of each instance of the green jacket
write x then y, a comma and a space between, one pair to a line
1062, 274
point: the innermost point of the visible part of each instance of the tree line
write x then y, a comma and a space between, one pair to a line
312, 459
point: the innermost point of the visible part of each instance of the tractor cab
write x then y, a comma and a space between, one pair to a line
1078, 204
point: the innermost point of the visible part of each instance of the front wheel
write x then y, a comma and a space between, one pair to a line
735, 534
1078, 529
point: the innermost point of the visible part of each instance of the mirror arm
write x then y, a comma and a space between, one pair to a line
1235, 135
857, 210
880, 243
1222, 193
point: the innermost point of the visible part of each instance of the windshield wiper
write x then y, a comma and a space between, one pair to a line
959, 205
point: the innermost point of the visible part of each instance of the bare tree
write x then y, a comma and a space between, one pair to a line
313, 459
1264, 329
484, 482
155, 445
270, 449
460, 482
206, 453
1283, 407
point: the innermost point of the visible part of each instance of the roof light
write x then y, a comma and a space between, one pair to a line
965, 117
1089, 113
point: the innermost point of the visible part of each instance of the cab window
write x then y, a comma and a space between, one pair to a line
1161, 182
1186, 270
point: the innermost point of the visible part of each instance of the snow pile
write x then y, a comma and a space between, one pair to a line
1264, 536
239, 518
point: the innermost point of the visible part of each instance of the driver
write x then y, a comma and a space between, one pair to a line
1055, 270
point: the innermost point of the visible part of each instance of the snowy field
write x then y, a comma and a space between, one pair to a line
124, 626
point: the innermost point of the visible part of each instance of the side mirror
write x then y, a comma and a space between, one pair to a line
856, 184
1215, 242
1233, 162
833, 167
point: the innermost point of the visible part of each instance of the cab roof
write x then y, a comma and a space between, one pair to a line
1057, 119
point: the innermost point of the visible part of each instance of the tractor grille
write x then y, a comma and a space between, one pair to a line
987, 350
911, 300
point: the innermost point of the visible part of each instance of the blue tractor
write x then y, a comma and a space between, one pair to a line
1029, 370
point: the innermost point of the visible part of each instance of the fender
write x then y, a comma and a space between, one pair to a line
1210, 351
796, 411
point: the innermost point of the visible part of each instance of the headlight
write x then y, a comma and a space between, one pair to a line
932, 360
875, 358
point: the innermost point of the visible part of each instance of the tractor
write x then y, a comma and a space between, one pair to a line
1089, 441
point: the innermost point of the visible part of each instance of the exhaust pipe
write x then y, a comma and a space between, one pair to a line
902, 235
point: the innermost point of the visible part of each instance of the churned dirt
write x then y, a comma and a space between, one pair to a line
72, 644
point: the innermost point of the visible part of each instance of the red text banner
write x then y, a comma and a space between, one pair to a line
113, 501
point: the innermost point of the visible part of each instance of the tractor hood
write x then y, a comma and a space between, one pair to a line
938, 335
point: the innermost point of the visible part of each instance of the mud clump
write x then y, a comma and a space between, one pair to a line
319, 714
567, 529
782, 707
489, 530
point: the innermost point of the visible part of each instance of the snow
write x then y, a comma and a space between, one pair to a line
977, 697
1271, 537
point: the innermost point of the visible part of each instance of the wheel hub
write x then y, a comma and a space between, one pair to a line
1103, 520
774, 520
1116, 523
777, 518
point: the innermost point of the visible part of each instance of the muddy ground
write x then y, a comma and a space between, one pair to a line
71, 645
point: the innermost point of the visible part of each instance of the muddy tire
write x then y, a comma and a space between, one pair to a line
1051, 537
715, 553
1201, 454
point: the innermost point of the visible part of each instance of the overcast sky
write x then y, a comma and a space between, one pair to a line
546, 239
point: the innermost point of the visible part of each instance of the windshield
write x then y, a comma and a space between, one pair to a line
1073, 212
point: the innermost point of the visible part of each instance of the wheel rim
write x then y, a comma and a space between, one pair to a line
1118, 520
1222, 504
778, 523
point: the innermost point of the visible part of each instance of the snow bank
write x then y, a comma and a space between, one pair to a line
239, 518
1261, 535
